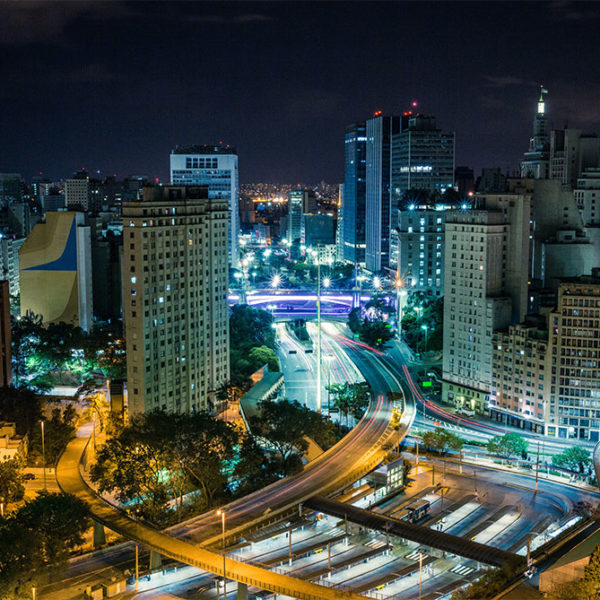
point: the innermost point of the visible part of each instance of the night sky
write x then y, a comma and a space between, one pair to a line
115, 86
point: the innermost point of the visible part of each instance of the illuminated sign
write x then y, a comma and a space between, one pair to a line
417, 169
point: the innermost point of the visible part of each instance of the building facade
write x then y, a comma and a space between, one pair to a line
9, 254
485, 288
77, 192
217, 168
575, 360
175, 276
55, 265
520, 391
587, 197
353, 198
378, 191
6, 377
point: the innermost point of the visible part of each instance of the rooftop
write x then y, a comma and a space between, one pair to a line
204, 149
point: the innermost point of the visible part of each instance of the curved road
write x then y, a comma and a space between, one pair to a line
355, 455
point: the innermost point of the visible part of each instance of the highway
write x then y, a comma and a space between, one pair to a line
352, 457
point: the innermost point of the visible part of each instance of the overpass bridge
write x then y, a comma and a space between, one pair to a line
189, 542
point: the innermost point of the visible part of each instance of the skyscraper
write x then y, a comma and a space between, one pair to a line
6, 377
378, 196
175, 298
535, 161
353, 199
217, 168
422, 170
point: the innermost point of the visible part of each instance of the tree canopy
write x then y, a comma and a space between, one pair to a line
442, 440
508, 445
39, 535
574, 458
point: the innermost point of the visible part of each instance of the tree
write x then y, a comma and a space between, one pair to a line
59, 430
355, 320
342, 397
39, 535
359, 399
574, 458
162, 456
442, 440
376, 333
510, 444
11, 481
263, 355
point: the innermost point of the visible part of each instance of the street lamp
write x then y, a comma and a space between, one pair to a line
376, 283
275, 281
328, 359
426, 329
326, 282
221, 513
43, 453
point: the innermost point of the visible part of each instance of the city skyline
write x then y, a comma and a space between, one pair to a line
116, 86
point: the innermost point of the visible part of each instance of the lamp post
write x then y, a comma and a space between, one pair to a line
420, 573
328, 359
43, 453
221, 513
319, 391
426, 329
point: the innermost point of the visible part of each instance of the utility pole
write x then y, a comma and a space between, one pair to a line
537, 468
43, 453
137, 566
420, 572
318, 333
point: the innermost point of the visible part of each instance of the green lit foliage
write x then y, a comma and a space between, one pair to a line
574, 458
441, 440
371, 322
423, 309
59, 353
37, 540
350, 398
508, 445
161, 456
251, 343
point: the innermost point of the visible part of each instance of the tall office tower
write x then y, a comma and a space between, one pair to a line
10, 189
575, 360
520, 375
422, 163
485, 287
423, 156
175, 298
535, 161
339, 226
216, 167
353, 200
6, 377
587, 197
55, 265
571, 153
300, 201
378, 190
491, 181
77, 192
9, 262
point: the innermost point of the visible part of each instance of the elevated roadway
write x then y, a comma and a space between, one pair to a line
354, 456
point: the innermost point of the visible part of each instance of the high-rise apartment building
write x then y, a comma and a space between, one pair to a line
520, 390
378, 190
6, 377
175, 275
575, 360
571, 153
217, 168
300, 201
420, 250
77, 192
9, 262
485, 288
353, 200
